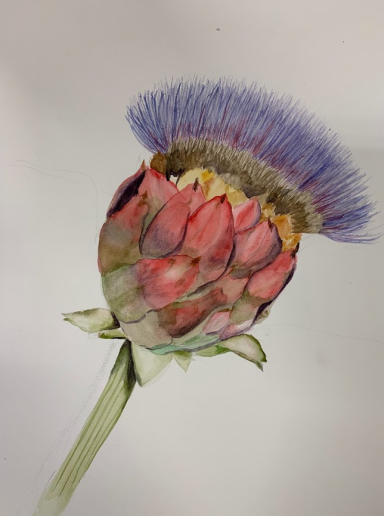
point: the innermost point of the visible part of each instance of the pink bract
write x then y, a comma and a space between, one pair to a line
203, 268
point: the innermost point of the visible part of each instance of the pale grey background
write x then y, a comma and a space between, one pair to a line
304, 438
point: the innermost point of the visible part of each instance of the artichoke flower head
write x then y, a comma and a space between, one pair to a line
198, 244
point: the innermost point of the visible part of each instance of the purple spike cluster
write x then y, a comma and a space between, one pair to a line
275, 130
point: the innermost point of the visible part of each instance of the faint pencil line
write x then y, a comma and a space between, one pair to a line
94, 386
324, 332
46, 174
40, 169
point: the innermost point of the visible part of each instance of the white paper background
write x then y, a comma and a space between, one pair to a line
304, 438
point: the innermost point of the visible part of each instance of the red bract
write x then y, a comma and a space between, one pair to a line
183, 272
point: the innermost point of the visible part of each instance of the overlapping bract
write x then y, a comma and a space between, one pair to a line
183, 272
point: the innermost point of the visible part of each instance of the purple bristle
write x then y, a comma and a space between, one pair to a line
275, 130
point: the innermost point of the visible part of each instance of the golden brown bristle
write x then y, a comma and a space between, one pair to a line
284, 228
212, 185
245, 174
159, 163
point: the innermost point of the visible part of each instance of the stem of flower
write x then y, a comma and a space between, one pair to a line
98, 426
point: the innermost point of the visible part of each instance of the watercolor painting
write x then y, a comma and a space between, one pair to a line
199, 243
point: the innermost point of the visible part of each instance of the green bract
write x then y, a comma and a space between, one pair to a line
149, 363
94, 320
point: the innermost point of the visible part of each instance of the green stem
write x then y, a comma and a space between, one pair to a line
98, 426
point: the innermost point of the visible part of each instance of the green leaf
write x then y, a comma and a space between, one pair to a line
246, 346
95, 431
147, 364
212, 351
112, 334
94, 320
183, 359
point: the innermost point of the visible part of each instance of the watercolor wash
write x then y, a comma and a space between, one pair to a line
198, 244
